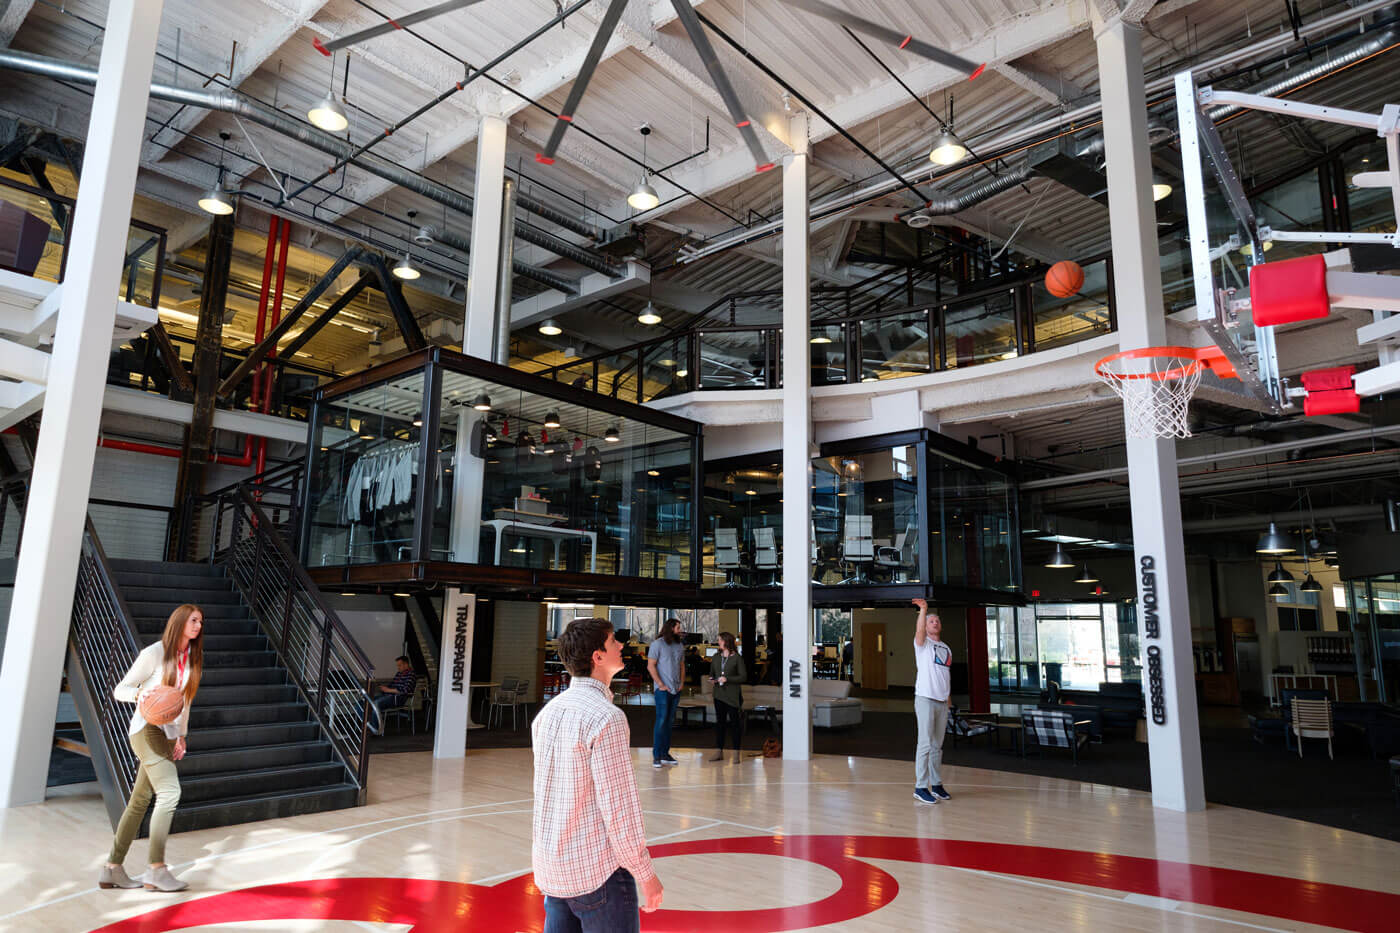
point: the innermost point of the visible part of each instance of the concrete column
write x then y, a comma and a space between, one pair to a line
53, 524
1164, 625
796, 675
484, 271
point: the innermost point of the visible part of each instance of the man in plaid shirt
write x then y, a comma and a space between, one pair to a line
590, 848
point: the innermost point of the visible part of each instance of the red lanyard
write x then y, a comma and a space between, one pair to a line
180, 667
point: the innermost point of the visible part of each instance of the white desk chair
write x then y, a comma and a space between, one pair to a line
765, 553
727, 553
857, 546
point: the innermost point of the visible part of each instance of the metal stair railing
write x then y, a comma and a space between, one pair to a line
102, 646
201, 537
330, 670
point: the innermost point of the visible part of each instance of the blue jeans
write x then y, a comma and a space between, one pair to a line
382, 704
612, 908
665, 714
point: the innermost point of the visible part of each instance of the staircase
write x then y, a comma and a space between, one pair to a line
256, 751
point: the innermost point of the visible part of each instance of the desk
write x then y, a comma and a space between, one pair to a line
1277, 685
1014, 729
471, 723
554, 533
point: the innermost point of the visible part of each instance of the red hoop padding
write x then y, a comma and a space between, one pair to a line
1330, 392
1288, 291
1336, 377
1195, 358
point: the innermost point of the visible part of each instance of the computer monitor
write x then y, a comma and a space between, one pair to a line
623, 635
694, 638
711, 651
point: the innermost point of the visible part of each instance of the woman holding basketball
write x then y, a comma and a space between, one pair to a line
162, 683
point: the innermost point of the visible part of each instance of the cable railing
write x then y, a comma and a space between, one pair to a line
203, 536
330, 671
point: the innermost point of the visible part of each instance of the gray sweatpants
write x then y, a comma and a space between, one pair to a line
932, 716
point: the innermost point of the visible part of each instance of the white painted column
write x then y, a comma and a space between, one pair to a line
455, 674
53, 525
484, 267
1164, 625
797, 454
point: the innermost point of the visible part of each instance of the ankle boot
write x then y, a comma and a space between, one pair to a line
160, 879
718, 755
115, 878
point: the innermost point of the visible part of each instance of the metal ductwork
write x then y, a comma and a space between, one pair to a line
428, 234
952, 204
232, 102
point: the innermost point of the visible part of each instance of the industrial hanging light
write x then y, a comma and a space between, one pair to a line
1059, 558
1278, 591
328, 115
820, 338
1280, 575
1161, 186
1086, 575
216, 200
649, 315
1310, 585
482, 402
612, 435
551, 329
551, 420
947, 150
1274, 543
406, 270
644, 196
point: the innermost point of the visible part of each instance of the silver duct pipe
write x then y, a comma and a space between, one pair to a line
503, 276
952, 204
430, 234
235, 103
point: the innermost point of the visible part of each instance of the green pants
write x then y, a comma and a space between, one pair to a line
157, 776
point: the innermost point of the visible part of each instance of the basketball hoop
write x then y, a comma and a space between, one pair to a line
1156, 385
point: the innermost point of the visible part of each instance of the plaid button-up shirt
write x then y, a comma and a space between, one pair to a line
588, 818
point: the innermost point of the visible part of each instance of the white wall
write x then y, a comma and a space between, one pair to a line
518, 645
899, 640
375, 626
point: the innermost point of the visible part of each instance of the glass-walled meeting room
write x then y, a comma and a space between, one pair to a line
900, 510
439, 457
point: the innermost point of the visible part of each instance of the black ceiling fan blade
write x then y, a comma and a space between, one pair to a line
606, 27
893, 36
706, 51
390, 25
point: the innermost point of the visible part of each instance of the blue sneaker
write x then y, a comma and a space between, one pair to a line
923, 796
940, 793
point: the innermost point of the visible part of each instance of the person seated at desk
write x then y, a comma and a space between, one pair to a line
395, 693
696, 666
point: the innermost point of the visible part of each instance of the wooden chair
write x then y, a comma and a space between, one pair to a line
1312, 719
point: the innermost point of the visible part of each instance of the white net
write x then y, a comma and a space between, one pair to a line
1156, 392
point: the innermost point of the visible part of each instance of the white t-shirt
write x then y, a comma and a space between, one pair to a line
934, 661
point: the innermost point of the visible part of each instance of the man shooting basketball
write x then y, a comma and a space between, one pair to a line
932, 685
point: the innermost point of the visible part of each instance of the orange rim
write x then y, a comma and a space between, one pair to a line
1195, 357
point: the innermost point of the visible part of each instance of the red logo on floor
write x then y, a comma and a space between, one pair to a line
517, 905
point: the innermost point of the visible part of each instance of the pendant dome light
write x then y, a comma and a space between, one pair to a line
551, 420
405, 269
1271, 542
1059, 558
1086, 575
612, 435
482, 402
216, 200
1280, 575
649, 315
328, 114
1278, 591
550, 329
1161, 185
1309, 585
947, 150
644, 196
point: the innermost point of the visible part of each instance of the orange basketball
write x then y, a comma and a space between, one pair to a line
162, 705
1064, 279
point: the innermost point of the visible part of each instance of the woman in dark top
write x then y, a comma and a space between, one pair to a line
727, 673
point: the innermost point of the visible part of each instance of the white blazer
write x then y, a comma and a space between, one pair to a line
145, 673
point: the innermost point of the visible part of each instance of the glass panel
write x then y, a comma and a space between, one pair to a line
365, 475
744, 525
971, 510
1071, 644
578, 376
1061, 321
980, 331
40, 235
734, 359
892, 347
828, 354
1293, 205
1370, 209
1178, 277
666, 369
867, 517
553, 485
617, 376
139, 267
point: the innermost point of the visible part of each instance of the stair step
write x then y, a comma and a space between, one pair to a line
288, 754
200, 596
219, 642
235, 676
239, 659
267, 806
222, 785
156, 627
154, 610
246, 714
243, 737
183, 568
236, 694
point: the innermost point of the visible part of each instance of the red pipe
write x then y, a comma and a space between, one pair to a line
276, 317
268, 257
160, 450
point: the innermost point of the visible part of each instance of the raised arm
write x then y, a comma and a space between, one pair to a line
920, 633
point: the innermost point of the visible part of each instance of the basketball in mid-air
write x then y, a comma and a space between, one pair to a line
162, 705
1064, 279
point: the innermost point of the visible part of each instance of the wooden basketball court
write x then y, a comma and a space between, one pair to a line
835, 844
